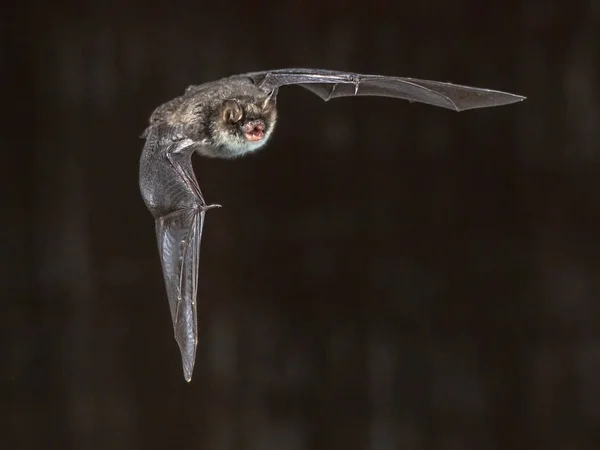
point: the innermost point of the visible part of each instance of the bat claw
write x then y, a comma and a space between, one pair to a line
207, 207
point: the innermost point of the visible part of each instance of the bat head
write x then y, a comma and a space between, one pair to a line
243, 124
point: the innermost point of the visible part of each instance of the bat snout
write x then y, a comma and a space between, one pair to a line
254, 130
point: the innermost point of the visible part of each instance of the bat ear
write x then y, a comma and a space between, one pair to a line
232, 111
271, 100
273, 95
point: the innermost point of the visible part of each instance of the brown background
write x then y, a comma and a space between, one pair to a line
383, 276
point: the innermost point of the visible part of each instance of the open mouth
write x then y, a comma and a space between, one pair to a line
254, 130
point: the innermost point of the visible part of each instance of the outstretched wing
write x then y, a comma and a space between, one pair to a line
179, 235
329, 84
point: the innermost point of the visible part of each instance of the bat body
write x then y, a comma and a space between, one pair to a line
229, 118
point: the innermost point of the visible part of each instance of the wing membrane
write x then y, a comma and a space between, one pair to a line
329, 84
179, 235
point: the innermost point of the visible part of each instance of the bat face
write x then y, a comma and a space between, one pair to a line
241, 125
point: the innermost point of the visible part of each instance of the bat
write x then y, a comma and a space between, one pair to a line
229, 118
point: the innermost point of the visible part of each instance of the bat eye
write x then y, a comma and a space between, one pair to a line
232, 111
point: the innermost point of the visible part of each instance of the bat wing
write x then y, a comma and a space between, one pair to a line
171, 193
329, 84
179, 235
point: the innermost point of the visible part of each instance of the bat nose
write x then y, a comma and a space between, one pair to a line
253, 126
254, 130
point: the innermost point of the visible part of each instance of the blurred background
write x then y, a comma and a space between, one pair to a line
384, 275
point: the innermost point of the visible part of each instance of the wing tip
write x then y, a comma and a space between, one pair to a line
187, 348
512, 98
188, 369
502, 99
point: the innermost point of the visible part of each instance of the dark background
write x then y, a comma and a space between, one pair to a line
384, 275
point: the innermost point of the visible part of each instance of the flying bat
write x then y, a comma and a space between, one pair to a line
228, 118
